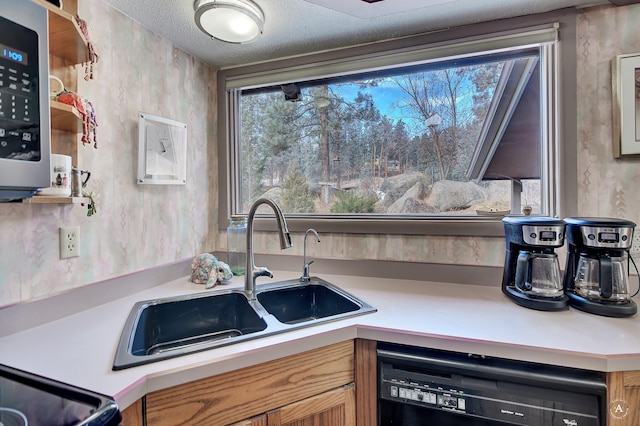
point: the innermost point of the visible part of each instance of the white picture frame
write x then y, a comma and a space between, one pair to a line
626, 104
162, 151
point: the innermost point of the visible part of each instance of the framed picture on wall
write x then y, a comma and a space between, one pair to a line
626, 104
162, 151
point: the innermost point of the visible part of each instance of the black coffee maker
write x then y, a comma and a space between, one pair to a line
596, 279
532, 276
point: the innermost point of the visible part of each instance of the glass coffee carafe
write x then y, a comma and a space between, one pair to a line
538, 274
602, 278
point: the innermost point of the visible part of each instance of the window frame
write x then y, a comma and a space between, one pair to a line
559, 160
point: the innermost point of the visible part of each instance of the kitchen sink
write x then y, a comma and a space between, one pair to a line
186, 324
170, 327
309, 302
161, 327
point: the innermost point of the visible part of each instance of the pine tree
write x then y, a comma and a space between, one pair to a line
295, 193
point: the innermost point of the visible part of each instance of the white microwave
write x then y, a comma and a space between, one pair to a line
25, 136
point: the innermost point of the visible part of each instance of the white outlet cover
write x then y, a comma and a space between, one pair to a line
69, 242
635, 244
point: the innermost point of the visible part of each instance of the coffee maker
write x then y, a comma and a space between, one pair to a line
532, 276
596, 279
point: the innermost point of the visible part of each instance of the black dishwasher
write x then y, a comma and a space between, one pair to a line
427, 387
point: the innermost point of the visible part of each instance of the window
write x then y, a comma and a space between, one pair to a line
453, 132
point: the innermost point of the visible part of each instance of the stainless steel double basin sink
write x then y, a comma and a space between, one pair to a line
166, 328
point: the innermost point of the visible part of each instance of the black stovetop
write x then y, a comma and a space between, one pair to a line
30, 400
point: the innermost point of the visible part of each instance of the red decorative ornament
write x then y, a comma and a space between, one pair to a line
87, 112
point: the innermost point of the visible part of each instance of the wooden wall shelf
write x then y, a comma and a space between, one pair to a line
66, 40
65, 117
45, 199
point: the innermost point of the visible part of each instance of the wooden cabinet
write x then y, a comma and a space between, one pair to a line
366, 359
312, 388
623, 388
320, 381
133, 415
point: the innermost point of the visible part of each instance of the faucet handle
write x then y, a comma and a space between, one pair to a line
261, 271
305, 278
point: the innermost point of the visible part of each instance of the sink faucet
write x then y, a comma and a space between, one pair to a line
252, 271
305, 268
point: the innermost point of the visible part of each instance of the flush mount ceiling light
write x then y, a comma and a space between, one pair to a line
233, 21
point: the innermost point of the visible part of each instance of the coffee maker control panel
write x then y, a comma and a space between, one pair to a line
607, 238
538, 235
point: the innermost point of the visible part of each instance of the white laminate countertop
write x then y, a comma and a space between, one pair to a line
78, 349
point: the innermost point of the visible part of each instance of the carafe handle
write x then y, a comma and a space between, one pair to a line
606, 277
523, 271
88, 173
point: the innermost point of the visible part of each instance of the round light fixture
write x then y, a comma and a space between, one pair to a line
232, 21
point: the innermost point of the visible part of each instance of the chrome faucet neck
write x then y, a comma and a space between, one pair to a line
252, 271
305, 265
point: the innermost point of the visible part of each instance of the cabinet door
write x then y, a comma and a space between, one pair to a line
333, 408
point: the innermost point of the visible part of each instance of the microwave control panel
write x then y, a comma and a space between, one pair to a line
19, 93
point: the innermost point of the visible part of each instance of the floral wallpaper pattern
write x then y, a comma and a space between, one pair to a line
142, 226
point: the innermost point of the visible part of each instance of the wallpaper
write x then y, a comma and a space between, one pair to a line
136, 226
142, 226
607, 187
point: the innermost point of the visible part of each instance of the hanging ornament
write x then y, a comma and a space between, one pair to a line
93, 56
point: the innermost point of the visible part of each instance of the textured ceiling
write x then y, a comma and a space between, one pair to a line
294, 27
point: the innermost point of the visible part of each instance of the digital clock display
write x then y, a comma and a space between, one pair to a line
14, 55
608, 237
548, 235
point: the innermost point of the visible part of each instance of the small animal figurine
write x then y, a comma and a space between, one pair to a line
208, 270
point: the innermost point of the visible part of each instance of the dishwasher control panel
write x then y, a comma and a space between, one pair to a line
443, 398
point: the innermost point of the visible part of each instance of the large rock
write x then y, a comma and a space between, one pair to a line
411, 203
411, 206
449, 195
394, 187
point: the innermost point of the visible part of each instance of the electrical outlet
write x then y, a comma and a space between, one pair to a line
635, 244
69, 242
